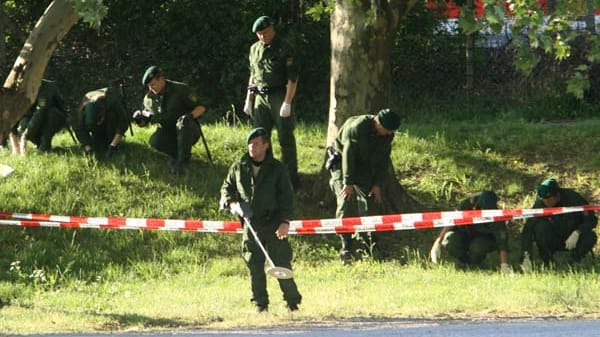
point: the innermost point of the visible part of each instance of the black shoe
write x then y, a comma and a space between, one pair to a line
261, 308
292, 306
346, 256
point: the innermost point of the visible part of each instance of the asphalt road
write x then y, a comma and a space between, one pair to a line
530, 328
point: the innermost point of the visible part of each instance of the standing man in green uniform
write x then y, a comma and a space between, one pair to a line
102, 120
469, 245
47, 116
359, 161
572, 232
176, 109
271, 90
263, 182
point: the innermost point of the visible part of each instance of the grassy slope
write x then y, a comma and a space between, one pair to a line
108, 280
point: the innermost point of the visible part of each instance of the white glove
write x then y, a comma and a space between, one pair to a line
505, 268
248, 107
286, 110
436, 250
236, 209
571, 241
526, 266
144, 113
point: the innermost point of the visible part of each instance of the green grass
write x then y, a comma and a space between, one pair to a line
103, 280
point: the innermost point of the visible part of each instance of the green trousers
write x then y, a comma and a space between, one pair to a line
177, 140
359, 204
266, 115
280, 252
469, 248
42, 126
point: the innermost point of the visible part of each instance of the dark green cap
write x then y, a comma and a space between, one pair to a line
150, 73
92, 115
261, 23
260, 131
548, 188
389, 119
488, 200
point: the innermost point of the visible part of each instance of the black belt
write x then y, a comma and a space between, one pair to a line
264, 90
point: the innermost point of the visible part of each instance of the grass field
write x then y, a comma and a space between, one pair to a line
56, 280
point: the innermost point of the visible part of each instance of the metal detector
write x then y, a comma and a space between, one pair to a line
277, 272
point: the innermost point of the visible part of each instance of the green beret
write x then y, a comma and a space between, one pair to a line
548, 188
261, 23
150, 73
389, 119
488, 200
92, 115
260, 131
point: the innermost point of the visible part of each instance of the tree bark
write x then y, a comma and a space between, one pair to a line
22, 84
362, 37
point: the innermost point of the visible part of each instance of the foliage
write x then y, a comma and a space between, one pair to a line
91, 11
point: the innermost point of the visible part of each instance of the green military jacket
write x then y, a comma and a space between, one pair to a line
270, 194
566, 223
274, 64
48, 97
176, 100
497, 229
365, 155
108, 101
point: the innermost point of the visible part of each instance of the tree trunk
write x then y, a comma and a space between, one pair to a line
22, 84
469, 70
362, 37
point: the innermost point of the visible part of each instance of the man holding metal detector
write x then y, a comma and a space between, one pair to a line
258, 190
175, 108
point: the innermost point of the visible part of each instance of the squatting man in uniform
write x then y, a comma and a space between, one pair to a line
261, 183
572, 232
102, 120
271, 90
176, 109
358, 161
47, 116
468, 246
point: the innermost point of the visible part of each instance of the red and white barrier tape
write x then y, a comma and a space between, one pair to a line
381, 223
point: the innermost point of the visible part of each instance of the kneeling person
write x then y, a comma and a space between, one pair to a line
468, 246
572, 232
47, 116
102, 120
175, 108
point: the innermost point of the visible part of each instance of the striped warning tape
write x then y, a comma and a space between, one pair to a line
381, 223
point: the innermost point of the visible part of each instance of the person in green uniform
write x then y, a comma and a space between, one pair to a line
572, 232
468, 246
263, 182
47, 116
102, 120
176, 109
271, 89
358, 161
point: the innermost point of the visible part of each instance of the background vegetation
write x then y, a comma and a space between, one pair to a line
507, 134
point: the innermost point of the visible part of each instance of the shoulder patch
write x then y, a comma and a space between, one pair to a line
41, 102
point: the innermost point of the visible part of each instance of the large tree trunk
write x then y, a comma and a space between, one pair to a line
22, 84
362, 37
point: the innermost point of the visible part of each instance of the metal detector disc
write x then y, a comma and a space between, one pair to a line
279, 272
5, 170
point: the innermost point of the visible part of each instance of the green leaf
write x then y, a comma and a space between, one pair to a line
578, 84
